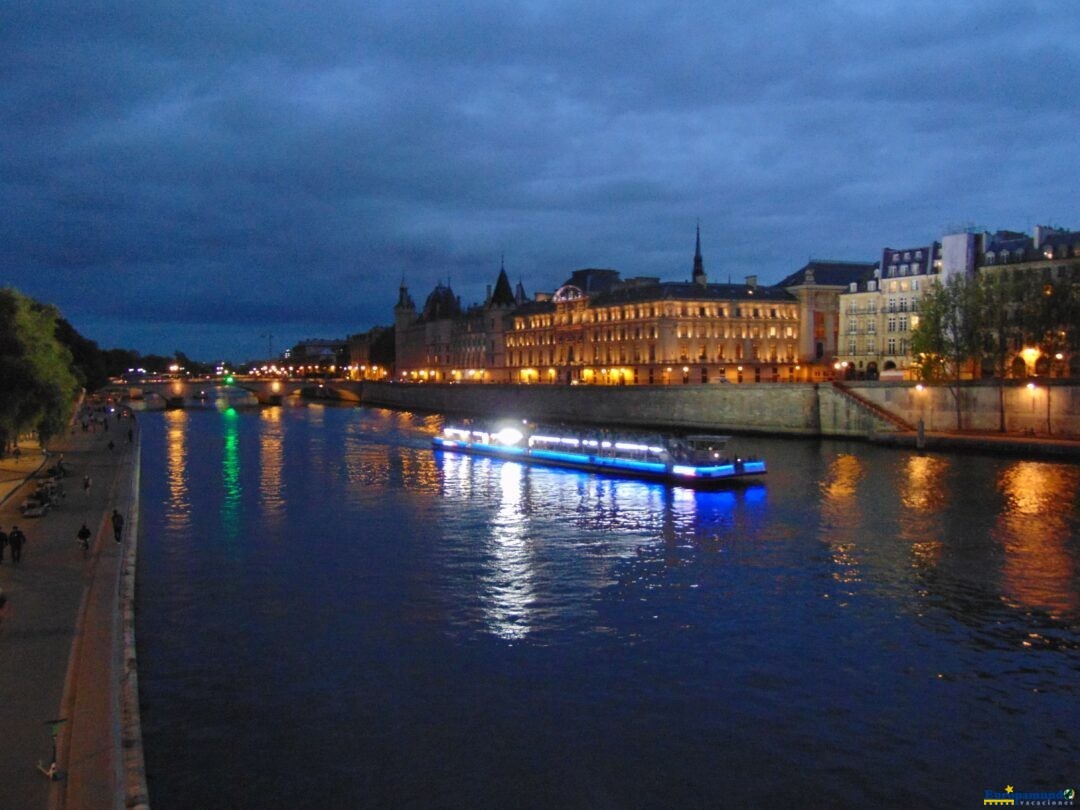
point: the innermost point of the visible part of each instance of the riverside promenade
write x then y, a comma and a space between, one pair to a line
66, 641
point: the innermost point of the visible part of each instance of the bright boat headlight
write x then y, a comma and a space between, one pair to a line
508, 436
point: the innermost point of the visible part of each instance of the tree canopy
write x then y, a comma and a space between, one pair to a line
38, 386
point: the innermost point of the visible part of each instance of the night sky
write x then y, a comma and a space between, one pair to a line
201, 176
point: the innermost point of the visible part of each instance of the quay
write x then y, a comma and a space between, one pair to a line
67, 629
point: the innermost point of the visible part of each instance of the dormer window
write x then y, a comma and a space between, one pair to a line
990, 257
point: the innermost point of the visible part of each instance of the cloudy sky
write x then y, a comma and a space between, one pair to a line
202, 176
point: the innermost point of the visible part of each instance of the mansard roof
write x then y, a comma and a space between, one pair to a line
830, 273
688, 291
591, 280
1009, 240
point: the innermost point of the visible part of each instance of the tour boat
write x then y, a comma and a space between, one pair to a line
694, 461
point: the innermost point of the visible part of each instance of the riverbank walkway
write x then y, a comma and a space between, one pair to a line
62, 625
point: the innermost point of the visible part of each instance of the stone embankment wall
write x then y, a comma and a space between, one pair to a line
776, 408
803, 409
1049, 408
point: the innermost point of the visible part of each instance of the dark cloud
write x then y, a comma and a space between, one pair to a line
198, 177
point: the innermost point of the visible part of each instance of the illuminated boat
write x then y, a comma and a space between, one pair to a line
694, 461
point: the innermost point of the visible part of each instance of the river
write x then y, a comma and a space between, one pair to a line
329, 614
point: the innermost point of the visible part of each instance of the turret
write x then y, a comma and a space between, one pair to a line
404, 309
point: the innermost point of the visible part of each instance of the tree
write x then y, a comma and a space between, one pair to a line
999, 299
1051, 316
947, 339
36, 378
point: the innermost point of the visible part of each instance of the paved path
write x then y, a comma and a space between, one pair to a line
59, 629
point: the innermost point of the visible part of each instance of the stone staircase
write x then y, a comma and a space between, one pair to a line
873, 407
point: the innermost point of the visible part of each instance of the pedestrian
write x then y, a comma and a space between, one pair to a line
131, 435
3, 544
84, 538
18, 453
117, 525
16, 540
111, 445
86, 484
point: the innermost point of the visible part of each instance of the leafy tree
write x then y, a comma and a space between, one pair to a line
1051, 316
36, 378
948, 340
999, 302
89, 360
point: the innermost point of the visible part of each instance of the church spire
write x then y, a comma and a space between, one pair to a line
699, 264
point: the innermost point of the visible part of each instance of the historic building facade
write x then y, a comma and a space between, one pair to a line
880, 312
601, 329
445, 343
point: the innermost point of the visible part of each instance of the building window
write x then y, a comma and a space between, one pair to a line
892, 345
891, 327
903, 323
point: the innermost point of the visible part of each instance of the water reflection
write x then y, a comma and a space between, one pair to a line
923, 496
507, 586
271, 465
1035, 532
841, 515
178, 507
230, 475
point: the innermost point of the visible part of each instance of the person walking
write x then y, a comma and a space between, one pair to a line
117, 525
3, 544
86, 484
16, 540
84, 539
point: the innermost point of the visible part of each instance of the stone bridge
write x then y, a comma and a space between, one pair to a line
242, 390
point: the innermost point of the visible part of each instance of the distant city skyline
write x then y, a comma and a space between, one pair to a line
199, 180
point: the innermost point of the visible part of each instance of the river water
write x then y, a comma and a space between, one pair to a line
332, 615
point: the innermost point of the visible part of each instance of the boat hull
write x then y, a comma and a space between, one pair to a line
722, 475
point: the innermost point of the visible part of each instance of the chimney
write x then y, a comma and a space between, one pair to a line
488, 299
751, 281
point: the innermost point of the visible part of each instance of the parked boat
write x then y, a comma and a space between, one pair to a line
700, 460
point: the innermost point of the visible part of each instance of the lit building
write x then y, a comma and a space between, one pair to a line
817, 287
444, 343
1052, 256
370, 354
879, 313
600, 329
